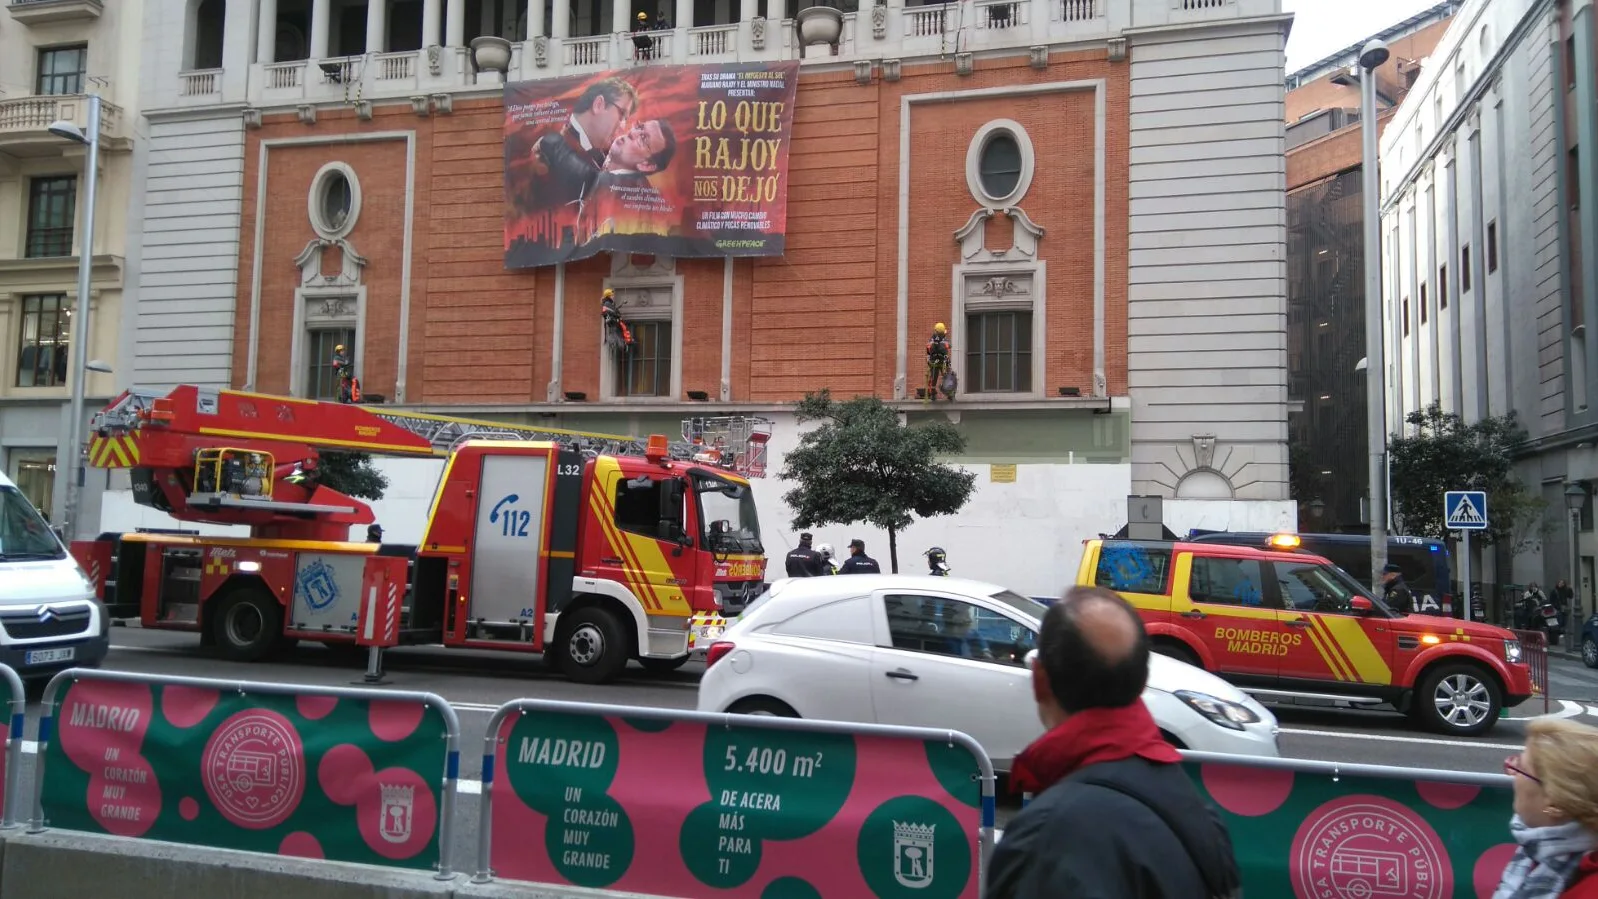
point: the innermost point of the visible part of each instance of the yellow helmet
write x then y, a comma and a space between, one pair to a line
609, 293
642, 16
939, 328
339, 348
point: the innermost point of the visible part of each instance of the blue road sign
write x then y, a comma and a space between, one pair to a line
1465, 510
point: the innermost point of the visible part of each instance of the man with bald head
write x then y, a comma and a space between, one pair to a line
1114, 815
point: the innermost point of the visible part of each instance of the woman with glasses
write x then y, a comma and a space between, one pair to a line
1556, 814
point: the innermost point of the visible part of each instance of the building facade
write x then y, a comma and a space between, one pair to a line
1325, 267
1484, 289
1089, 192
53, 54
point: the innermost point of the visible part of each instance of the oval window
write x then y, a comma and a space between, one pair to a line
1000, 165
336, 200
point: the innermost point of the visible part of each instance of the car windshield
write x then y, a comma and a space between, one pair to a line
24, 535
1025, 605
727, 511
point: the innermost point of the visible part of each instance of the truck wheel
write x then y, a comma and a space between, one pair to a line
1462, 700
593, 649
663, 666
247, 625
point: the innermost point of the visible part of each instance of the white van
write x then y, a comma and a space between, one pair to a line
49, 616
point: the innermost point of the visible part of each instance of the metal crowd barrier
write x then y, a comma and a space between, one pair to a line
580, 737
253, 766
1534, 649
11, 774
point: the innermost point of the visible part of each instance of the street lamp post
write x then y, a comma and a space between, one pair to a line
1575, 499
1370, 58
72, 463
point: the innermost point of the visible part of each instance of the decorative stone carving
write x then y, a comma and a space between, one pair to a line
644, 302
1038, 57
252, 117
862, 71
973, 237
307, 113
892, 69
309, 263
541, 51
879, 21
435, 60
1117, 49
998, 289
444, 103
419, 105
1203, 450
964, 64
625, 266
757, 32
330, 309
363, 110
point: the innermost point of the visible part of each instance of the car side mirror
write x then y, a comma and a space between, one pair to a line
1361, 606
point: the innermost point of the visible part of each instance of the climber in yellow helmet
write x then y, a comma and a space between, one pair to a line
938, 362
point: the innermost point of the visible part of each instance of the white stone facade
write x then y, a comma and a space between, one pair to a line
53, 54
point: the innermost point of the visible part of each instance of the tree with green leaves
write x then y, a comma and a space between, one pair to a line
1441, 453
861, 464
351, 474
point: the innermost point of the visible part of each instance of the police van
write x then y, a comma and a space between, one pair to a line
1426, 565
49, 617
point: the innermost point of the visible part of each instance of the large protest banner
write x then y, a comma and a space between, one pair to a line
667, 160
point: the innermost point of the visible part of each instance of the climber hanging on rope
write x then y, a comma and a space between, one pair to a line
618, 336
939, 375
349, 386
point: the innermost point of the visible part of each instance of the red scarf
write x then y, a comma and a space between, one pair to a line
1087, 738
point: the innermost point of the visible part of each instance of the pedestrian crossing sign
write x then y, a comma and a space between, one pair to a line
1465, 510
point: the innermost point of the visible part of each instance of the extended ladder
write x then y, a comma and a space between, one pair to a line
732, 442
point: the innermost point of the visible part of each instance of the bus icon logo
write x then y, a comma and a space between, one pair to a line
1368, 847
254, 769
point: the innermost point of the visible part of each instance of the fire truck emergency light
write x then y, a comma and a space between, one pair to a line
1284, 542
656, 451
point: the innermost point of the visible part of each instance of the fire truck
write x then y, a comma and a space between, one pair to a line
591, 549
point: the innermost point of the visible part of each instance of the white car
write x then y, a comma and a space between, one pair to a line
936, 652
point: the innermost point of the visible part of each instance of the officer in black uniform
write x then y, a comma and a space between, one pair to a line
858, 562
805, 561
1395, 592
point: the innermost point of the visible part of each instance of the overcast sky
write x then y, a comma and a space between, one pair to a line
1323, 27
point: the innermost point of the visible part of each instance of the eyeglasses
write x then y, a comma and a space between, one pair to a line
1512, 767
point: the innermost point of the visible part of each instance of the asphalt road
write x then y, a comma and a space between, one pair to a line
475, 683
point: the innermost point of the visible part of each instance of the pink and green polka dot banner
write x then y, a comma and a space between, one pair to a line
676, 808
1312, 835
323, 777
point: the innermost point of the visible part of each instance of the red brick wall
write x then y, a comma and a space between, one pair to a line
823, 315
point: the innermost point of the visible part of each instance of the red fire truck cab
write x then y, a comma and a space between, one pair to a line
548, 546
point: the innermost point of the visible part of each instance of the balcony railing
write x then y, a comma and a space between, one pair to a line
904, 32
28, 119
202, 83
713, 40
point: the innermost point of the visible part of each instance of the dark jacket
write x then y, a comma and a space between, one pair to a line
1088, 841
1398, 597
861, 564
805, 562
572, 169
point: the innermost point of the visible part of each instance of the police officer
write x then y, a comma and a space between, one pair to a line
1395, 593
374, 533
858, 562
938, 561
804, 561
